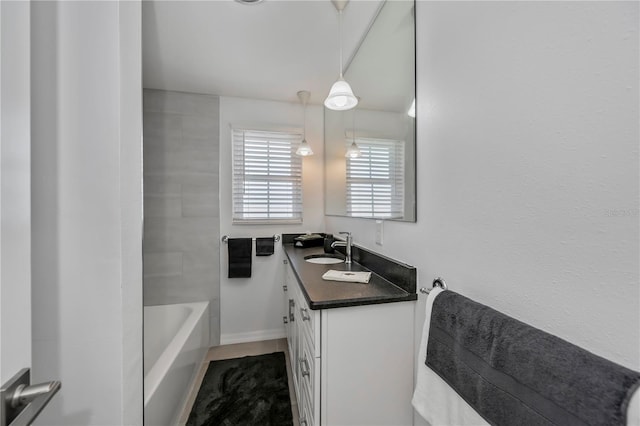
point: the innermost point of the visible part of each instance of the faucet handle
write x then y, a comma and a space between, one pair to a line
345, 233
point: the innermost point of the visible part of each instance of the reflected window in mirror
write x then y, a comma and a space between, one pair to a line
375, 179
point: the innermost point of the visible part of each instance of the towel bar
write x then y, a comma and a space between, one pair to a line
438, 282
225, 238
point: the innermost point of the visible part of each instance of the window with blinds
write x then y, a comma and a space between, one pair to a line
267, 177
375, 179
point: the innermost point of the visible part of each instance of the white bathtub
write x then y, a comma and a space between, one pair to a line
176, 339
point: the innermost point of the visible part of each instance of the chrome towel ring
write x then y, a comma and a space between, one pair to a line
438, 282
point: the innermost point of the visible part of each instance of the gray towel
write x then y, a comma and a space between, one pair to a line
264, 246
240, 250
515, 374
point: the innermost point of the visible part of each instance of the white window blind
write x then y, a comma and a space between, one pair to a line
375, 180
267, 177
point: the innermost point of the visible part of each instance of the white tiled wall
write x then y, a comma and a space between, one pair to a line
181, 203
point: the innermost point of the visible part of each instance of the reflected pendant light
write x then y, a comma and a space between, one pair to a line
304, 149
341, 97
412, 109
354, 149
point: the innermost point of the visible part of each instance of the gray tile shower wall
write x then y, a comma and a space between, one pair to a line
181, 202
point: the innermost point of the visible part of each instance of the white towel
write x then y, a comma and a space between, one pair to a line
633, 412
347, 276
433, 398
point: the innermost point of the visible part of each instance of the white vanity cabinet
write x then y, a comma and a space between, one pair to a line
351, 365
303, 337
290, 291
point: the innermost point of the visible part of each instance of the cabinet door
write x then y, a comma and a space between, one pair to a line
308, 378
291, 304
285, 303
304, 350
367, 365
309, 363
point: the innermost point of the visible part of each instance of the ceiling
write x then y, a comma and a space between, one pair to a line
269, 50
383, 71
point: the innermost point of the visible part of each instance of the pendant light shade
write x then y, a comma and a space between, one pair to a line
353, 151
304, 150
412, 109
341, 97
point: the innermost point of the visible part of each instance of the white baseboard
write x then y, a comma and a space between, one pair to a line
252, 336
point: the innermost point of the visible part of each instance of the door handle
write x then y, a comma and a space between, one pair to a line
304, 367
304, 314
292, 305
22, 402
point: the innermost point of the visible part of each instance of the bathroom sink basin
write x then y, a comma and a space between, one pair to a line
323, 259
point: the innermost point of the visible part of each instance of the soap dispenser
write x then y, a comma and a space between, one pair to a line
328, 240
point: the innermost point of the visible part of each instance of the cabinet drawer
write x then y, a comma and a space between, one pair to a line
308, 324
307, 382
306, 411
307, 365
307, 316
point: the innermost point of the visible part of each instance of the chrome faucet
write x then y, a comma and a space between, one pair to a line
346, 244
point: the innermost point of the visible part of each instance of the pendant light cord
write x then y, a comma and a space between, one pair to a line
340, 38
353, 129
304, 122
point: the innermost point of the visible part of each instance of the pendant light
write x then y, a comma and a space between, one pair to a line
341, 97
354, 149
304, 150
412, 109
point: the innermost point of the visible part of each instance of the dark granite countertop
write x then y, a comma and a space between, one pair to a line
322, 294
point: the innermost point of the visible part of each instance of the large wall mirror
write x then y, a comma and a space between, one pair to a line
379, 183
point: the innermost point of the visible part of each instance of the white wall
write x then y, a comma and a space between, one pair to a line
87, 210
250, 307
528, 172
15, 179
131, 209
